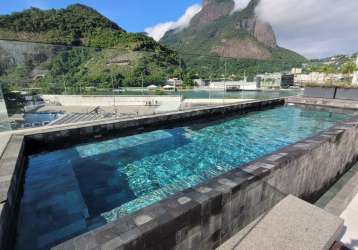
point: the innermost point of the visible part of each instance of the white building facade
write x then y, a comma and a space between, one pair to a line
174, 82
355, 75
269, 80
199, 82
316, 77
224, 85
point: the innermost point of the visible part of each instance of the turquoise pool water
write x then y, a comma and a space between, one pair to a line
71, 191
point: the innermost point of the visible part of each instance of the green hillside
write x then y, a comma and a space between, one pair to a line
105, 54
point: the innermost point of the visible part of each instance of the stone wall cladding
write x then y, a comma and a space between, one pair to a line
347, 94
311, 165
333, 103
197, 218
331, 93
206, 216
317, 92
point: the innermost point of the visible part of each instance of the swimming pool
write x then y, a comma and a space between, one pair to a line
71, 191
36, 120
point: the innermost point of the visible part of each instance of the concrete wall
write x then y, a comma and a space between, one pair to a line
106, 101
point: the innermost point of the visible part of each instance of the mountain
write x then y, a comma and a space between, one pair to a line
79, 45
218, 31
75, 25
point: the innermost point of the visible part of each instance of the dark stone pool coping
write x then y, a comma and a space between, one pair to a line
323, 102
331, 93
204, 216
320, 92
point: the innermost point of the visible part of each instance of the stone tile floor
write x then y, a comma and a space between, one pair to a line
350, 216
326, 198
4, 139
291, 224
342, 200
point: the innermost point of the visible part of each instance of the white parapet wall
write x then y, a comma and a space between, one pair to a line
355, 75
107, 101
4, 119
355, 78
243, 85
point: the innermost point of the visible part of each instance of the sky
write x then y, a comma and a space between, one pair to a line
314, 28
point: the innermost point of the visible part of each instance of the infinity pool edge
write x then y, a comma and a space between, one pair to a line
146, 225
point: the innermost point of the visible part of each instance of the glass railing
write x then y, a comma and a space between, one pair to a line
46, 84
4, 119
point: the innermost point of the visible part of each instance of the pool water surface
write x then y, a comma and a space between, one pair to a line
72, 191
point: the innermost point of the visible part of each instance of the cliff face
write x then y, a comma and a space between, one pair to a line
211, 11
262, 31
19, 53
217, 30
36, 62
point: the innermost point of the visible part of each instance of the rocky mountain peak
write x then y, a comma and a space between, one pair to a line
212, 10
217, 30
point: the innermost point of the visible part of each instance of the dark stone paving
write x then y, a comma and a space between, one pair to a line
328, 196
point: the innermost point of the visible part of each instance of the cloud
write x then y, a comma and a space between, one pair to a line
240, 4
315, 28
159, 30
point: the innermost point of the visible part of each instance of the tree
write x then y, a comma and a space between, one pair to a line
348, 67
189, 78
327, 69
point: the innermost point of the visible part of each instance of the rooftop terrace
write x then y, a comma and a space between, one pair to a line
210, 214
